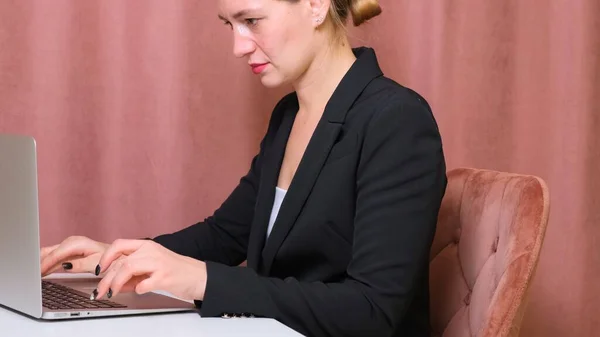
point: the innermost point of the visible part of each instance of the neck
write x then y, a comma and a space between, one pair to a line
315, 87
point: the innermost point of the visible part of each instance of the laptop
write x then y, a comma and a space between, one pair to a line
22, 288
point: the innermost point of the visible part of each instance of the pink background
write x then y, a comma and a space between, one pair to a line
145, 121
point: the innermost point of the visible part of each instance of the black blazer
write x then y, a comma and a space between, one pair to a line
349, 252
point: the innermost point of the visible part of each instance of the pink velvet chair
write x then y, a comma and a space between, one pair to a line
490, 230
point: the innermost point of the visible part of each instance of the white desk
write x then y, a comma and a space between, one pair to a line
171, 325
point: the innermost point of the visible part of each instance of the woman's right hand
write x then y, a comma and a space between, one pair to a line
76, 254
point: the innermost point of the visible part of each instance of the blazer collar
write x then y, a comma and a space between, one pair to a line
362, 72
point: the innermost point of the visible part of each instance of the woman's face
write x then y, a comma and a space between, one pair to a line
278, 38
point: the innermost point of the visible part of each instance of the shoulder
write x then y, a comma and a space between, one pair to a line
398, 129
385, 102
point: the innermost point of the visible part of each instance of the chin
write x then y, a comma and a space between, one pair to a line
270, 82
273, 80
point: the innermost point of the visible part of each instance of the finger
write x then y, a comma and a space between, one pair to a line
133, 283
104, 284
118, 248
67, 250
71, 248
146, 285
55, 269
129, 286
129, 269
45, 250
112, 266
81, 265
76, 265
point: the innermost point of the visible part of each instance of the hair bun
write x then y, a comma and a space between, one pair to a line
363, 10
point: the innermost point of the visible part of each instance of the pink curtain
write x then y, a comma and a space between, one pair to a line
145, 121
515, 86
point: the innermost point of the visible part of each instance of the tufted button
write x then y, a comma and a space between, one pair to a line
495, 245
467, 299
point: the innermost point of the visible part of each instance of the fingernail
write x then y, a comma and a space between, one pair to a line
109, 295
97, 272
67, 266
94, 294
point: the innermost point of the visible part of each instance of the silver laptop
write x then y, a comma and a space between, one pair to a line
22, 288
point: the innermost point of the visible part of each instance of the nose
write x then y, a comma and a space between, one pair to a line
242, 44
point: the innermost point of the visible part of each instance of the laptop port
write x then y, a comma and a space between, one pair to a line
73, 314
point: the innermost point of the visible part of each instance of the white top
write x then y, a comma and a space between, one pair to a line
279, 195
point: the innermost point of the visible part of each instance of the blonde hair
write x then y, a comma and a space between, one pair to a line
360, 10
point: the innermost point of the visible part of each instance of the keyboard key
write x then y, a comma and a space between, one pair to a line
58, 297
102, 305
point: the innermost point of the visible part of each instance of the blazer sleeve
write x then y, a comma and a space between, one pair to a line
223, 237
401, 180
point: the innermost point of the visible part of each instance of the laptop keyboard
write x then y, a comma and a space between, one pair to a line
58, 297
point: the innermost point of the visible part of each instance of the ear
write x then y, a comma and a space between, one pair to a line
319, 10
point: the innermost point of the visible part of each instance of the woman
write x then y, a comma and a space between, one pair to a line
337, 212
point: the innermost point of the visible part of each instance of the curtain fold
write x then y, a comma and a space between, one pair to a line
515, 86
145, 121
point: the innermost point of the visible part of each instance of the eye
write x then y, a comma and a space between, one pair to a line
227, 23
251, 22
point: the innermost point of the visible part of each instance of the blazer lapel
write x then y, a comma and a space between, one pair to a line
364, 70
308, 170
266, 191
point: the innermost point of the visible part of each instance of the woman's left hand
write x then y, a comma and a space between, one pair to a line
144, 266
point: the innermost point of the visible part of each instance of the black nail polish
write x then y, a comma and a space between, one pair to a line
97, 272
67, 266
109, 295
94, 294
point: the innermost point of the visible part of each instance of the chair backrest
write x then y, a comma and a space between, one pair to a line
490, 230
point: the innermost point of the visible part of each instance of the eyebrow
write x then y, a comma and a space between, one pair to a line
243, 12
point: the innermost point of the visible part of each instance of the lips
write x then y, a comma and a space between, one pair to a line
258, 68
